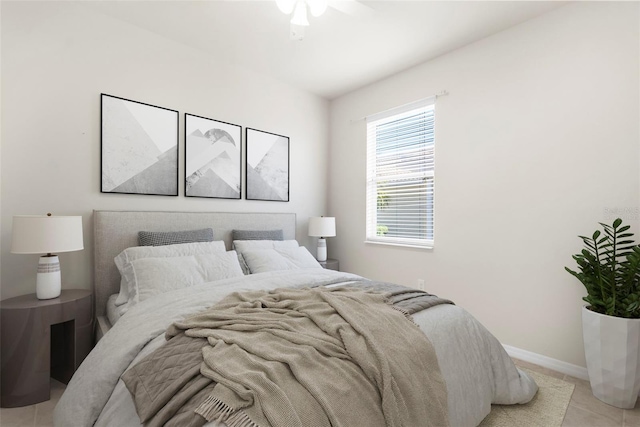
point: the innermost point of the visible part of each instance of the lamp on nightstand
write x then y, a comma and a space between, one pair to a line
323, 226
38, 234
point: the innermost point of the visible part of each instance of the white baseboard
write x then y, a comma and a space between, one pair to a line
547, 362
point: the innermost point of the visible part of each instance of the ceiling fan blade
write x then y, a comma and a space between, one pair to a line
352, 7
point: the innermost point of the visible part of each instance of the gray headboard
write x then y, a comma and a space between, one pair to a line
115, 231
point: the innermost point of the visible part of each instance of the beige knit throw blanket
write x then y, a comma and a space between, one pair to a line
316, 357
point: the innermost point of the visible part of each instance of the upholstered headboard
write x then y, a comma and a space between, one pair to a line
115, 231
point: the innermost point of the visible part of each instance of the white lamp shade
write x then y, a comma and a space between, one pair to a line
41, 234
322, 226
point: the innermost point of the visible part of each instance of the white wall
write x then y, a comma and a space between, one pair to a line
538, 140
56, 60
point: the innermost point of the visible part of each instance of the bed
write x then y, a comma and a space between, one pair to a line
474, 366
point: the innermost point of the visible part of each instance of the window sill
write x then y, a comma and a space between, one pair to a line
402, 245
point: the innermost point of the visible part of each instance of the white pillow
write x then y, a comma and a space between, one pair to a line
114, 313
123, 260
262, 260
245, 245
154, 276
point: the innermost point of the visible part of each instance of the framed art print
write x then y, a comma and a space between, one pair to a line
213, 152
139, 144
267, 166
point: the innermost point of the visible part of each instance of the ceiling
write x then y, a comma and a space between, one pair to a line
340, 51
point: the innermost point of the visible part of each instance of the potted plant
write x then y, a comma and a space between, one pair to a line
609, 268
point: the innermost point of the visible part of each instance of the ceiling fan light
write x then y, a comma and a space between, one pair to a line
300, 14
317, 7
286, 6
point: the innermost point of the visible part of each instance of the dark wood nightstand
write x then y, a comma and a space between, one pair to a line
330, 264
42, 339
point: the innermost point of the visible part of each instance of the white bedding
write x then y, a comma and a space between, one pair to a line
114, 312
476, 368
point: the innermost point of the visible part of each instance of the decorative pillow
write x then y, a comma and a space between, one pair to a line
123, 260
154, 276
249, 245
262, 260
258, 235
243, 245
162, 238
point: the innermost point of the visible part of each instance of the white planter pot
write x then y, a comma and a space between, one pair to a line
612, 350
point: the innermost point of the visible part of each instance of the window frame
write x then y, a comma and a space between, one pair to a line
373, 180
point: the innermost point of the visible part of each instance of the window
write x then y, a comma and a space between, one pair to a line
400, 175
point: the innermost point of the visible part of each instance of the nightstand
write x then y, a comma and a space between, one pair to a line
330, 264
42, 339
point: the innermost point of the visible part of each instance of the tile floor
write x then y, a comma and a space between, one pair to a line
39, 415
584, 409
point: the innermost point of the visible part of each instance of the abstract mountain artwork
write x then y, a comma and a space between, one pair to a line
139, 148
267, 166
213, 150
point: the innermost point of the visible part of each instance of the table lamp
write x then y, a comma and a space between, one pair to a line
38, 234
322, 226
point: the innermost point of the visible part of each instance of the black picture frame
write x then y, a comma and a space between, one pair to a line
213, 148
267, 157
138, 147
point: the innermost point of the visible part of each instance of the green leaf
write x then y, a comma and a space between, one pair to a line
610, 273
605, 226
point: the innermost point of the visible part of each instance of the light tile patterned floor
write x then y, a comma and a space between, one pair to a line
39, 415
587, 411
584, 409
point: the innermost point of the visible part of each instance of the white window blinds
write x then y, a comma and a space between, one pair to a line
400, 175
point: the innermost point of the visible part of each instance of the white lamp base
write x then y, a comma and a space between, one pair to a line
48, 283
322, 249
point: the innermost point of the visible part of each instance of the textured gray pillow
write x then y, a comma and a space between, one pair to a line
163, 238
154, 276
124, 259
244, 245
258, 235
281, 258
254, 235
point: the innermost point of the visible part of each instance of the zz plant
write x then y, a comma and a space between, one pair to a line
609, 268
